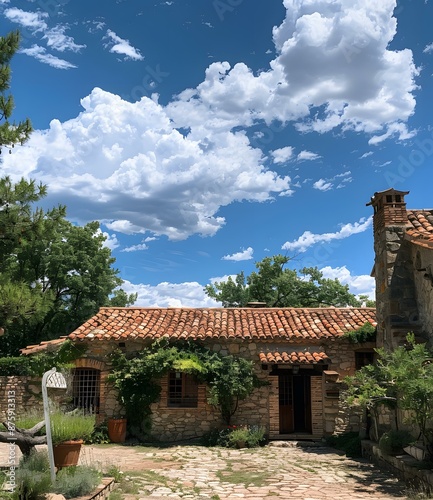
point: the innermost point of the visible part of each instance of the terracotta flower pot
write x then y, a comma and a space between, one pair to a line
66, 454
117, 430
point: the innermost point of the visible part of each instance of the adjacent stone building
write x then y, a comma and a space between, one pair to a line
403, 268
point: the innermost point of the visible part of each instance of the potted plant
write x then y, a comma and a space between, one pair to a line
238, 437
117, 429
68, 432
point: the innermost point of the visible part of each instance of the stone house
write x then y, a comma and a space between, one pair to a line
403, 269
301, 352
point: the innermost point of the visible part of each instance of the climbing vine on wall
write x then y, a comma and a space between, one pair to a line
365, 333
229, 379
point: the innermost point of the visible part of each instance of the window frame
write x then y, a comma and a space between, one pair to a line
86, 389
363, 358
182, 390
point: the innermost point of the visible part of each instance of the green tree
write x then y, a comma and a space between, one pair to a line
403, 377
11, 133
278, 286
53, 274
230, 379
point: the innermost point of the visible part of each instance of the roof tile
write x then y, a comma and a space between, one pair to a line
267, 324
294, 357
294, 325
420, 227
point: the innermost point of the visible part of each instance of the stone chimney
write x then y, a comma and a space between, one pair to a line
389, 209
396, 307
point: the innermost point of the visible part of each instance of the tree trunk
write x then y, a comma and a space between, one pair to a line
25, 439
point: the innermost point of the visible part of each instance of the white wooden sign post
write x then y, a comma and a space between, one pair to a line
51, 378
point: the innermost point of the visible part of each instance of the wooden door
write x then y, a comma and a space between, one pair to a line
285, 384
302, 404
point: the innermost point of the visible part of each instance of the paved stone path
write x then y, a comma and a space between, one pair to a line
271, 472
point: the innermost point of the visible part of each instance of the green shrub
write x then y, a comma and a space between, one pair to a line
99, 434
33, 479
114, 472
349, 442
393, 442
76, 481
216, 437
38, 364
231, 436
20, 365
238, 435
256, 437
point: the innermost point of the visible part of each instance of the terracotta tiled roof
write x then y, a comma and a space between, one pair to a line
267, 324
304, 358
420, 227
43, 346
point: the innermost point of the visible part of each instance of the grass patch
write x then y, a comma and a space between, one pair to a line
153, 477
115, 495
114, 472
245, 477
303, 465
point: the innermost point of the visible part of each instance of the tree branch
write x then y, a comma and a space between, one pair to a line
25, 439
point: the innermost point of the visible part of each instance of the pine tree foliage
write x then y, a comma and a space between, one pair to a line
54, 275
11, 133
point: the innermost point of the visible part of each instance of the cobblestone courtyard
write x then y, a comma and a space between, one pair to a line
193, 472
276, 471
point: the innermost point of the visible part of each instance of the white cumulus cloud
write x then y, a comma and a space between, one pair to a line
188, 294
111, 240
307, 155
322, 185
308, 239
123, 47
145, 176
358, 285
243, 255
282, 155
333, 70
34, 21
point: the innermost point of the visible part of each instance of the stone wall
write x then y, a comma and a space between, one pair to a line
260, 409
26, 393
396, 302
422, 259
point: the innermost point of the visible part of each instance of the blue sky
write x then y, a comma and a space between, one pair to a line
207, 135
